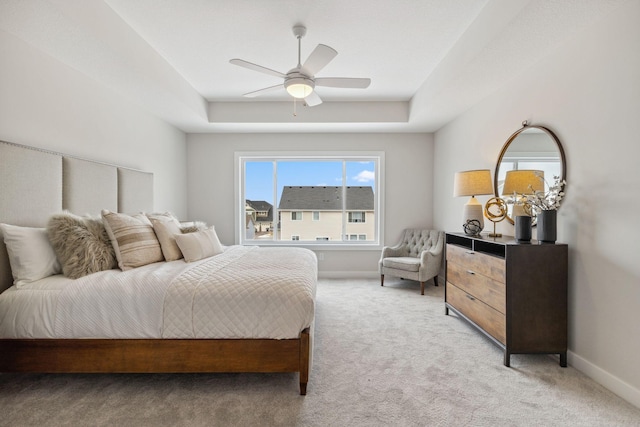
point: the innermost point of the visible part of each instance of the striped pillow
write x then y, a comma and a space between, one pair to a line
133, 239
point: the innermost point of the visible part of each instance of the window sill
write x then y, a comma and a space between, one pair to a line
319, 246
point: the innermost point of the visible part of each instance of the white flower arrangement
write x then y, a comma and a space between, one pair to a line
544, 201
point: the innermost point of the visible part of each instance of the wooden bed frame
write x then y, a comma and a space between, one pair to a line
158, 356
36, 183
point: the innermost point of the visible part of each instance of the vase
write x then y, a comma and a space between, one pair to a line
547, 223
523, 228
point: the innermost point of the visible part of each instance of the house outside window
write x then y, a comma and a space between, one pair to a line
261, 214
315, 214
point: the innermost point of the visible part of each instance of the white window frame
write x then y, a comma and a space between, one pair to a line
378, 157
297, 214
315, 216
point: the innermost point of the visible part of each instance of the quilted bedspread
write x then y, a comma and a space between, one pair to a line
251, 292
245, 292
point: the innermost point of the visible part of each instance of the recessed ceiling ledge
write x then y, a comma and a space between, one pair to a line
327, 112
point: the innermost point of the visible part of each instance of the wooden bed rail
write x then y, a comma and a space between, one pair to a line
158, 356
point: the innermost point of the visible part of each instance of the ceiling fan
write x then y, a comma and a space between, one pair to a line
301, 81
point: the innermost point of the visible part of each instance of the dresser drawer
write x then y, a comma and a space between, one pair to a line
489, 291
489, 319
487, 265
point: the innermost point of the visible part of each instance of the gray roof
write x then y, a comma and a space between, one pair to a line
262, 206
259, 205
326, 198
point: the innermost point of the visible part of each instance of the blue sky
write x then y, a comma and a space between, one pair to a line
259, 176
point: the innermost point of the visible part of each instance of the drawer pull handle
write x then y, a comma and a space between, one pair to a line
471, 272
470, 297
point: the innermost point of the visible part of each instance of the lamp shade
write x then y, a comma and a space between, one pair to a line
523, 182
472, 183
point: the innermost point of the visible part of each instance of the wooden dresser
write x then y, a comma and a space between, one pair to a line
514, 293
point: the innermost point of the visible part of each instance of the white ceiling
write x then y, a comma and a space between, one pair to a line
429, 60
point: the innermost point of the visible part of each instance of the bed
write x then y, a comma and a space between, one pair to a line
246, 309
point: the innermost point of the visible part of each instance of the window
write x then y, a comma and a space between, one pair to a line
321, 199
356, 216
357, 237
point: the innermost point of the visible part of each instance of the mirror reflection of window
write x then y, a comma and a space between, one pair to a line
530, 148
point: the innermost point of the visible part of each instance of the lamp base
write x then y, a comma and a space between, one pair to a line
472, 217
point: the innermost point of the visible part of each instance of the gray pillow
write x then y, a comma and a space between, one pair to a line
81, 244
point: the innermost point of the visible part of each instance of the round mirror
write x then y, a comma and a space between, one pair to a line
534, 150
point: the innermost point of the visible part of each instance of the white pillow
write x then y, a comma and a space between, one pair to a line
31, 256
199, 244
165, 232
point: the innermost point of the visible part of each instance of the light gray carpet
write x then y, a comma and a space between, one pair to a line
383, 356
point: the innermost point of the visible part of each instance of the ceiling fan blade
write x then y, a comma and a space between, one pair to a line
343, 82
263, 91
256, 67
313, 99
318, 59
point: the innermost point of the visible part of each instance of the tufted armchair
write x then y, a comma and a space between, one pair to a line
418, 257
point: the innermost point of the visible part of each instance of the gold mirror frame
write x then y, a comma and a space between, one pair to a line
512, 138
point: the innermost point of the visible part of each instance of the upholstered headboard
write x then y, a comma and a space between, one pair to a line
36, 183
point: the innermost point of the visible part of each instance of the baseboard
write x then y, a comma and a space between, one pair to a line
613, 383
356, 275
348, 274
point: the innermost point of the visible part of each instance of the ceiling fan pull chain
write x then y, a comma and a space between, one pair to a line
295, 114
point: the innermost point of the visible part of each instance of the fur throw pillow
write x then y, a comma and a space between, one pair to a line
192, 226
81, 244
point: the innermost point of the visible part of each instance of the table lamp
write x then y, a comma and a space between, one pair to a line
472, 183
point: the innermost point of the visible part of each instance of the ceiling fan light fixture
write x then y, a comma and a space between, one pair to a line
299, 87
300, 82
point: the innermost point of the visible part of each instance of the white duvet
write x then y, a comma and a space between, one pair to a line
245, 292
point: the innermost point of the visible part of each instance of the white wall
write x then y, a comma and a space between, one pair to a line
408, 185
588, 93
46, 104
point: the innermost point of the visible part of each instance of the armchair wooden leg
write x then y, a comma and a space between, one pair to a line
382, 280
421, 288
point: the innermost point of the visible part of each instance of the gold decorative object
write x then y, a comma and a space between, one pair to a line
495, 210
